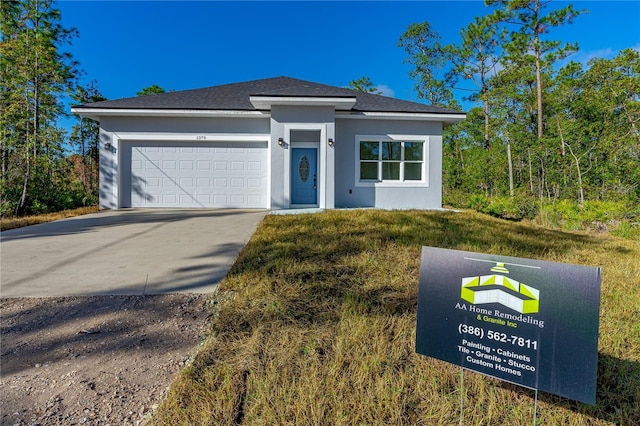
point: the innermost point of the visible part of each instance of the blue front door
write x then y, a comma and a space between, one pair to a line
304, 176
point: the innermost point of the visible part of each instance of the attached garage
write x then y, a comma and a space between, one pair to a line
195, 175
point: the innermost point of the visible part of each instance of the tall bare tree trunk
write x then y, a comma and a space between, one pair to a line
36, 113
487, 144
636, 133
562, 147
580, 186
539, 92
537, 31
510, 167
530, 173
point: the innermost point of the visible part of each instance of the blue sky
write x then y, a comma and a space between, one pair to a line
128, 45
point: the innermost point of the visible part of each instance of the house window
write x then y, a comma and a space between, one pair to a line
391, 160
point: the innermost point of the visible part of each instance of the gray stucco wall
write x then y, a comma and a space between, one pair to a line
348, 194
186, 125
337, 163
292, 117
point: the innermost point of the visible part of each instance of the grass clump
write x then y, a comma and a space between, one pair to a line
620, 218
316, 325
13, 222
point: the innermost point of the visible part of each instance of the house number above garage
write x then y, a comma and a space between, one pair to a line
201, 138
303, 168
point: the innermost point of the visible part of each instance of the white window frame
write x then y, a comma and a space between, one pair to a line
393, 183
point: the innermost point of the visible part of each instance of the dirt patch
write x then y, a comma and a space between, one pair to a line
100, 360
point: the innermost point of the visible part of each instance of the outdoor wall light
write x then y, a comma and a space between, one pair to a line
108, 146
281, 141
331, 143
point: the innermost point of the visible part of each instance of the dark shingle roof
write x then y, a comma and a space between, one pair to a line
235, 97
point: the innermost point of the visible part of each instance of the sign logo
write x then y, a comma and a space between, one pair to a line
500, 289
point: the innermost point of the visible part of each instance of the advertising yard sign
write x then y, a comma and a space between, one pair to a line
528, 322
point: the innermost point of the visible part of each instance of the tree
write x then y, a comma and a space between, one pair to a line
526, 45
85, 137
476, 59
150, 90
34, 76
612, 89
538, 131
364, 84
430, 59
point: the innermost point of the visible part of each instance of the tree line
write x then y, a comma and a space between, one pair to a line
36, 77
541, 129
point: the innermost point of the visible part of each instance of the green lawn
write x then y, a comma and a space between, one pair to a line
315, 324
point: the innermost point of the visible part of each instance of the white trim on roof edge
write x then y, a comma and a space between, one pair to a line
421, 116
96, 113
265, 102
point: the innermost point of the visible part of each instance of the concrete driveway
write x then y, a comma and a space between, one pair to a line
126, 252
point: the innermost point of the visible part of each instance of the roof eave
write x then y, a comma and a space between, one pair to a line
266, 102
96, 113
446, 118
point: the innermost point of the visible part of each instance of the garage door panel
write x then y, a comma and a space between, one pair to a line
253, 199
237, 183
237, 199
220, 199
170, 174
254, 183
203, 182
203, 165
255, 166
186, 164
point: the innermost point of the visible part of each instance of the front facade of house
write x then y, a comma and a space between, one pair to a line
277, 143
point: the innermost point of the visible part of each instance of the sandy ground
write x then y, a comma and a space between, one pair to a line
100, 360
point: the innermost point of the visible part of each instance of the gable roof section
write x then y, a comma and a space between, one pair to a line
236, 97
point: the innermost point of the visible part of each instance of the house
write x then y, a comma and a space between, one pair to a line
275, 143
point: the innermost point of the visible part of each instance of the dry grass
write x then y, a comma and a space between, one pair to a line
19, 222
316, 325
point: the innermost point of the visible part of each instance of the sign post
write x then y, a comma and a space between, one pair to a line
528, 322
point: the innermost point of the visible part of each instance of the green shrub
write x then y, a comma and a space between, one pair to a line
478, 202
455, 198
7, 208
601, 215
527, 206
513, 208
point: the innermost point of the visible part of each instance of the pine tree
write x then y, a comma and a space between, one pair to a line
34, 74
527, 47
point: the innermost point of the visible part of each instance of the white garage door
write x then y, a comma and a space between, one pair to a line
216, 174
